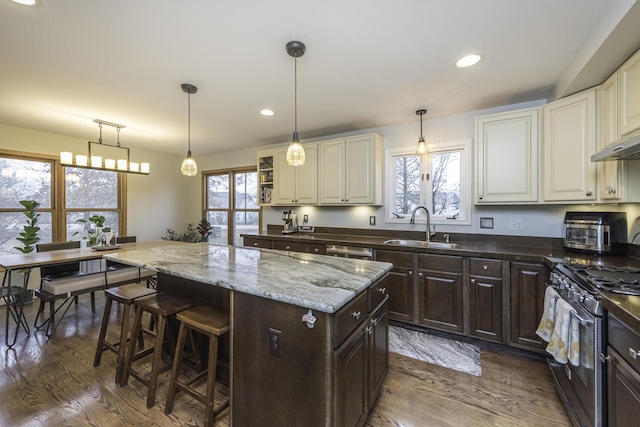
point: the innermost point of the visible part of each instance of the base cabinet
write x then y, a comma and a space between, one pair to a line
400, 284
440, 303
485, 299
527, 303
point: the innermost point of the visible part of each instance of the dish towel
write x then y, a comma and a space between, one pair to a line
545, 328
565, 337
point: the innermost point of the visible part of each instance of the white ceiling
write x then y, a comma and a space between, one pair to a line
368, 63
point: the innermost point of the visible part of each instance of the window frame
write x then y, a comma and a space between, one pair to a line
464, 147
231, 210
58, 209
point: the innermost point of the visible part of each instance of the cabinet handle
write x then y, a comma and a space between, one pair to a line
370, 330
480, 197
473, 281
604, 359
410, 273
589, 193
255, 243
316, 250
484, 267
375, 321
356, 315
382, 290
287, 247
420, 274
633, 353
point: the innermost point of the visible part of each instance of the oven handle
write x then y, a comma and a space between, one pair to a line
582, 320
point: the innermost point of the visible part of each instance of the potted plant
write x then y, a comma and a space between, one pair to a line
191, 235
204, 228
29, 238
93, 229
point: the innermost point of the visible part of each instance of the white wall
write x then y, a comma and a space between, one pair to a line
164, 199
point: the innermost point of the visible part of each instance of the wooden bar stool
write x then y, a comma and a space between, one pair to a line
161, 305
213, 323
125, 295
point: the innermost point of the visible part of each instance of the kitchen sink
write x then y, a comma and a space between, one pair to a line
421, 244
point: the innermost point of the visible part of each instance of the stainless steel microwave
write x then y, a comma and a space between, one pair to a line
596, 232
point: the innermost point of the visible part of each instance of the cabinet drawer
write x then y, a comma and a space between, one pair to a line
257, 243
485, 267
289, 246
398, 259
377, 293
348, 317
316, 248
625, 340
451, 264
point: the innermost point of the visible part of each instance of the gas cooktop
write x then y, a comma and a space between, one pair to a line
620, 280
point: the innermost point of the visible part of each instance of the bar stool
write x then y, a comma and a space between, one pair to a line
161, 305
213, 323
125, 295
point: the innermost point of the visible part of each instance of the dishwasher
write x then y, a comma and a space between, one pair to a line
350, 252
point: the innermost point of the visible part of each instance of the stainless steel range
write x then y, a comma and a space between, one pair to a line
581, 388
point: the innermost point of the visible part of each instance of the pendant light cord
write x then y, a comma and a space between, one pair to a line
189, 120
295, 92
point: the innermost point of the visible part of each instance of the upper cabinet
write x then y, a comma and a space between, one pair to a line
265, 176
629, 101
611, 174
569, 140
296, 185
508, 147
350, 171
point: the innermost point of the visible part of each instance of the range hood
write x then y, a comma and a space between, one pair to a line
626, 150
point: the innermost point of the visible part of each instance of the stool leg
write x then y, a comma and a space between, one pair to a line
131, 351
103, 332
122, 347
155, 365
182, 335
209, 414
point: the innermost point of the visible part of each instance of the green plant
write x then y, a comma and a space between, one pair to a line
93, 228
204, 227
29, 235
190, 235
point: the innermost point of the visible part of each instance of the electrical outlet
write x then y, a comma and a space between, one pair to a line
275, 342
516, 224
372, 220
305, 219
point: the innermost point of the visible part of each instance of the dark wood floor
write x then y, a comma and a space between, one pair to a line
53, 383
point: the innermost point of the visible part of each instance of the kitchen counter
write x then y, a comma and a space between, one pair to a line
624, 307
306, 280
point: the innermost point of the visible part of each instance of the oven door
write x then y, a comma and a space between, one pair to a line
581, 387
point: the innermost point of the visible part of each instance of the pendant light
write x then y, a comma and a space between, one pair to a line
422, 145
189, 167
295, 151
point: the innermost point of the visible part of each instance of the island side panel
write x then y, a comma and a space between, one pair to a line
291, 388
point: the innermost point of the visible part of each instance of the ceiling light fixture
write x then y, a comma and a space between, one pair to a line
25, 2
468, 60
422, 145
189, 166
94, 160
267, 112
295, 151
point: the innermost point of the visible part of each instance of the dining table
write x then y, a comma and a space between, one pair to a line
15, 295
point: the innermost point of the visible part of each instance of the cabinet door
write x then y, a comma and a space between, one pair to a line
351, 380
527, 301
331, 169
359, 172
306, 178
378, 352
485, 308
629, 80
440, 300
623, 391
568, 143
257, 243
284, 179
611, 173
507, 157
399, 284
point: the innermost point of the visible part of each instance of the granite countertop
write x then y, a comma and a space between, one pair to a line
624, 307
312, 281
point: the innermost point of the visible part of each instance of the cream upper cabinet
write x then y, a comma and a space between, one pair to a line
610, 174
569, 140
508, 147
350, 171
629, 101
296, 185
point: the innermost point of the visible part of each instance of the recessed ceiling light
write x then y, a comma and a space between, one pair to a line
267, 112
469, 60
25, 2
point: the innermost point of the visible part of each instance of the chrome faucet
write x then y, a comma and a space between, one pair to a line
413, 221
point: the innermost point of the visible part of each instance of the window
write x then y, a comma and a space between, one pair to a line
438, 180
64, 194
231, 205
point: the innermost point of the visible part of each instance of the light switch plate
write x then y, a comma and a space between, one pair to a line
372, 220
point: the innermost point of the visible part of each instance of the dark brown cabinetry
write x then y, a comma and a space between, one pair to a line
623, 374
527, 303
286, 245
289, 246
440, 303
400, 284
257, 243
485, 299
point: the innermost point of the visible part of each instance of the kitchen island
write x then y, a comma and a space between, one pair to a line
309, 333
